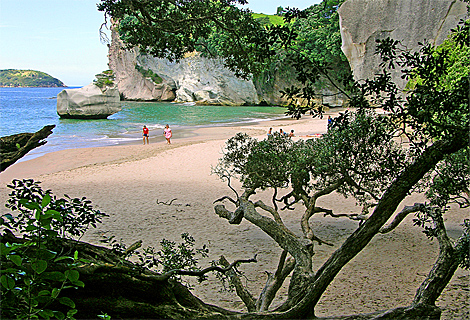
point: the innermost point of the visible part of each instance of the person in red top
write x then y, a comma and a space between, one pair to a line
145, 134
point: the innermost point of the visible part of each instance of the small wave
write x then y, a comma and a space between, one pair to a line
100, 138
120, 140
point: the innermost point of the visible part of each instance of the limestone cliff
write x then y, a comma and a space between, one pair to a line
196, 79
131, 83
410, 21
193, 79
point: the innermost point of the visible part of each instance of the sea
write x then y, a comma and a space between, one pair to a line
30, 109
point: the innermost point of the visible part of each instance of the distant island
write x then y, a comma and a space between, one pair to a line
28, 78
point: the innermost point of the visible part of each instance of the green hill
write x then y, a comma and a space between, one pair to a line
27, 78
269, 19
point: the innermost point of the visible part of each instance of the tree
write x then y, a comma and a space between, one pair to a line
351, 159
358, 158
320, 38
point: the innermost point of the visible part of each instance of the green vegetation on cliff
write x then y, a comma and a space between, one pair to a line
268, 19
27, 78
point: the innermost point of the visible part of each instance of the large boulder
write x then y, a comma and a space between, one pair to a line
89, 102
362, 22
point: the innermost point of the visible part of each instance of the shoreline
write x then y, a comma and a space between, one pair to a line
130, 183
71, 158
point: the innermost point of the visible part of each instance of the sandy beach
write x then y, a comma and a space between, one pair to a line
129, 182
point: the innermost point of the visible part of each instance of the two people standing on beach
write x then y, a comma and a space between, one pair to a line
166, 133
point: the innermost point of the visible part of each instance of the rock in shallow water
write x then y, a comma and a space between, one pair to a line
88, 102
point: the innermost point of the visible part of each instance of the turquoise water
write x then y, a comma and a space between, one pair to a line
29, 109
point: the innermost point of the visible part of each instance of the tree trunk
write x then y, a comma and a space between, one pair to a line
123, 290
443, 268
15, 147
362, 236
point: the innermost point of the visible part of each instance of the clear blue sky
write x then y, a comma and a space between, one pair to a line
61, 38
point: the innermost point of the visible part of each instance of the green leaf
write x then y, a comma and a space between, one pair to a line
46, 313
9, 270
34, 302
55, 293
85, 261
39, 266
46, 222
15, 259
54, 276
78, 283
47, 254
62, 258
31, 228
7, 282
59, 315
72, 275
37, 214
4, 250
75, 255
67, 302
30, 205
46, 200
51, 233
44, 293
54, 214
71, 313
43, 299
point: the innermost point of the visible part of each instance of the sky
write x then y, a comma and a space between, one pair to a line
61, 37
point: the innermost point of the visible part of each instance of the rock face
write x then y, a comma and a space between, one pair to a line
410, 21
131, 83
88, 102
194, 79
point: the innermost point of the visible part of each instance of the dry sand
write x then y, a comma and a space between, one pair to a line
127, 181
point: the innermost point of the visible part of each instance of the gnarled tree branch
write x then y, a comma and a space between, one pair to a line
16, 146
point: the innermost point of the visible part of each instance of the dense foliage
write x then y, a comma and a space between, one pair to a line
319, 38
36, 269
27, 78
104, 79
359, 157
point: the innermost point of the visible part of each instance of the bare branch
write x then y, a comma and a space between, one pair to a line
233, 217
166, 203
202, 272
241, 290
352, 216
401, 216
443, 268
298, 247
285, 199
275, 281
224, 174
273, 212
226, 198
311, 209
14, 147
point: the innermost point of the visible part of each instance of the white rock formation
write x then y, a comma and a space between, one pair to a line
193, 79
409, 21
88, 102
